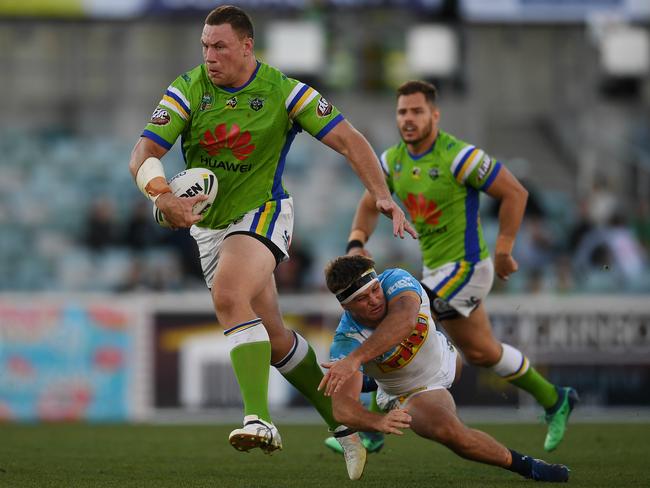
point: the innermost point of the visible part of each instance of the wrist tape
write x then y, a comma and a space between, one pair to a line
151, 180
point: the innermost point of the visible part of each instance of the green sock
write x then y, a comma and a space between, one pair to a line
305, 377
251, 364
538, 386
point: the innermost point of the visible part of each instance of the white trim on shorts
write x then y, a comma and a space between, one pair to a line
465, 298
273, 221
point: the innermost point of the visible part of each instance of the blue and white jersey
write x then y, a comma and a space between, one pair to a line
409, 364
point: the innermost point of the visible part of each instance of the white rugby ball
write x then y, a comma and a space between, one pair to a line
189, 183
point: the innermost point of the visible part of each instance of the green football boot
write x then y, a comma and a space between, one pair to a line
372, 441
557, 417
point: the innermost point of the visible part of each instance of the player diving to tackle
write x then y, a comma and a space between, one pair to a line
387, 332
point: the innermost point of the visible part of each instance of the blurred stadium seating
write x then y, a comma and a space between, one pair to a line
558, 91
69, 213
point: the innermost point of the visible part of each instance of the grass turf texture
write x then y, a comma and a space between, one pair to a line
599, 455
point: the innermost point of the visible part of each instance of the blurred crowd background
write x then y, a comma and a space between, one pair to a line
558, 91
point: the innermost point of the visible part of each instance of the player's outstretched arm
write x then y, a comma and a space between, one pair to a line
513, 198
394, 328
349, 142
350, 412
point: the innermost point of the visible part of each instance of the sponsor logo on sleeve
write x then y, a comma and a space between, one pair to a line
160, 116
401, 283
324, 108
484, 169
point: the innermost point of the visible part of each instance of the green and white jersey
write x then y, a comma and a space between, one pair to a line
243, 134
440, 189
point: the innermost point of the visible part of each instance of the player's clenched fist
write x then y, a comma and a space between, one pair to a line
504, 265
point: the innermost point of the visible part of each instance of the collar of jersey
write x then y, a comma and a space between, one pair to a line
237, 88
420, 156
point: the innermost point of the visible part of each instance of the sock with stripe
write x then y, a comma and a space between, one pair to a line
515, 368
250, 355
300, 367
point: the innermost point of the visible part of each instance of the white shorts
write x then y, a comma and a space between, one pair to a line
462, 285
272, 222
443, 378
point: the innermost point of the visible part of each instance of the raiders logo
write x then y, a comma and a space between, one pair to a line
434, 173
324, 108
256, 103
231, 102
416, 172
160, 116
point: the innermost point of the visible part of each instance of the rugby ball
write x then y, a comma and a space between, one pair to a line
189, 183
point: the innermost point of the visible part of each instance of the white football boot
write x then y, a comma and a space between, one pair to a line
353, 451
256, 433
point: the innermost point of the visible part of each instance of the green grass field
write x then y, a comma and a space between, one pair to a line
599, 455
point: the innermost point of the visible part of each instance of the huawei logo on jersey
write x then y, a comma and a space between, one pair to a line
422, 210
233, 139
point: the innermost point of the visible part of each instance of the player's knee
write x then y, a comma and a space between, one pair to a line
225, 301
481, 357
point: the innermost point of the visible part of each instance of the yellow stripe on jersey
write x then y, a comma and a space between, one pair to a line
468, 165
172, 104
307, 97
296, 89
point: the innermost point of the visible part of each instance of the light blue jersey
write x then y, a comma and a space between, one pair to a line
406, 365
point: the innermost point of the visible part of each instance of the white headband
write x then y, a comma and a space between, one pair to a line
358, 286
